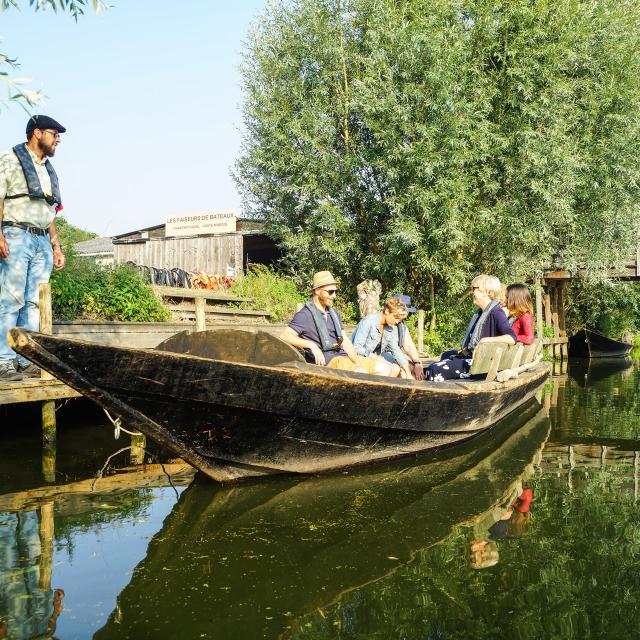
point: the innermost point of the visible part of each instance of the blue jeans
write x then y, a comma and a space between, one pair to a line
29, 264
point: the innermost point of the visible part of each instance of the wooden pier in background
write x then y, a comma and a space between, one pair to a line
550, 312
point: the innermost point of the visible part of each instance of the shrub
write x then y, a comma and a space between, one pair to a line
83, 290
269, 290
611, 307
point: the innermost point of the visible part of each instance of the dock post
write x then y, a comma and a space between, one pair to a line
539, 309
200, 319
420, 330
138, 444
49, 430
46, 326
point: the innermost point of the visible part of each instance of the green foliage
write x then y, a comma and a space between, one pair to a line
421, 142
69, 234
83, 290
269, 290
609, 306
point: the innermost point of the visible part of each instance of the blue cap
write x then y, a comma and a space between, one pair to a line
43, 122
407, 301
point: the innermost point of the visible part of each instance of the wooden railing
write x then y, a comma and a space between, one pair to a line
200, 308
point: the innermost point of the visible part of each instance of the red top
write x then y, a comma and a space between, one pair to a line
523, 328
523, 501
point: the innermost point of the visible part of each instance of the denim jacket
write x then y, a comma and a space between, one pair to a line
366, 337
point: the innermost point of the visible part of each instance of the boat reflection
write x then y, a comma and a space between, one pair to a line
248, 561
589, 371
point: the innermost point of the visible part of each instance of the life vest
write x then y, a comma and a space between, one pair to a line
321, 327
402, 330
33, 181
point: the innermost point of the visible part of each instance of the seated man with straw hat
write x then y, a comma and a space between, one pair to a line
317, 329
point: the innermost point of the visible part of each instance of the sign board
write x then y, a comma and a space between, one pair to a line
198, 224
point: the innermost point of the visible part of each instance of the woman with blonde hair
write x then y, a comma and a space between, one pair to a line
377, 334
488, 324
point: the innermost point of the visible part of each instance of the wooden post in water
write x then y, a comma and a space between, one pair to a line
46, 531
49, 430
201, 324
138, 443
49, 406
420, 331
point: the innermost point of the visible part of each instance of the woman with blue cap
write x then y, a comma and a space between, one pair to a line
384, 334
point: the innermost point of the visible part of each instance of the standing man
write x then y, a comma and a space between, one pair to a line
29, 245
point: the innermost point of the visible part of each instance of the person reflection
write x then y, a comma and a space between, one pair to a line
497, 524
29, 608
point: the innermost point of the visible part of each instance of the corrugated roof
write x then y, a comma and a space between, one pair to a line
95, 245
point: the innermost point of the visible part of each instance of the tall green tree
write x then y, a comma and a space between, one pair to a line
422, 141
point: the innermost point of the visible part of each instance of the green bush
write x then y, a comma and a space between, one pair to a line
610, 306
83, 290
268, 290
279, 294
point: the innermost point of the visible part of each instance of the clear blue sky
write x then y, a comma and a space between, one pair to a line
150, 95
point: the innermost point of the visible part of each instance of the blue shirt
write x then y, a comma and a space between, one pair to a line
367, 337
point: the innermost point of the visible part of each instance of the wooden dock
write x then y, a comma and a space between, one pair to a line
34, 390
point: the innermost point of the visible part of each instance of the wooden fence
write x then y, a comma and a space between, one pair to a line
213, 254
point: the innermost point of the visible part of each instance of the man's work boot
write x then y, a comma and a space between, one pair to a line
29, 370
8, 372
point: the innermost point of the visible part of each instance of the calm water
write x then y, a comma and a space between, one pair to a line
425, 548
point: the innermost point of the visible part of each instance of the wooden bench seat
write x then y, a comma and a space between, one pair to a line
493, 357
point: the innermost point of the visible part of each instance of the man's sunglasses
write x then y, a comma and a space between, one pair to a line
331, 292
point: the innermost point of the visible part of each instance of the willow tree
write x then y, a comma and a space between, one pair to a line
420, 141
17, 89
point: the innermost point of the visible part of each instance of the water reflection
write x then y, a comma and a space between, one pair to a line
262, 556
530, 531
29, 608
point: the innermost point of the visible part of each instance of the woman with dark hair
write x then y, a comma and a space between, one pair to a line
520, 307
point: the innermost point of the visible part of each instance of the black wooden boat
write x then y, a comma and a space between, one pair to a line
236, 404
588, 343
253, 563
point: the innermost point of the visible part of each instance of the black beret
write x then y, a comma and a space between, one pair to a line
43, 122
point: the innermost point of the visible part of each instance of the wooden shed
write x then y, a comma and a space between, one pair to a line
223, 253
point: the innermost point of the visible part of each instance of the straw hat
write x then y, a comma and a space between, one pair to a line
322, 279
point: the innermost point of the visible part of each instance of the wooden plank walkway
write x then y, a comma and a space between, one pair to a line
34, 390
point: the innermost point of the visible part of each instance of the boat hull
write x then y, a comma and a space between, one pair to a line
587, 343
234, 420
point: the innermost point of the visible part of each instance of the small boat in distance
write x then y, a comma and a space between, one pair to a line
588, 343
237, 404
